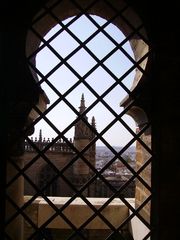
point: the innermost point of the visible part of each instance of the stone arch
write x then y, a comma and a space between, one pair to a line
138, 44
46, 174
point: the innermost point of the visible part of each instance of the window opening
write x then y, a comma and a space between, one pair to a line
84, 63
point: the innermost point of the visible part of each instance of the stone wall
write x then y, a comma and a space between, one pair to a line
142, 193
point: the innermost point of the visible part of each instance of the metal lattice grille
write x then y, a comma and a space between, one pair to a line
84, 183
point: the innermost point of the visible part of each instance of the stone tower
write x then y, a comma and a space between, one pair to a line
82, 137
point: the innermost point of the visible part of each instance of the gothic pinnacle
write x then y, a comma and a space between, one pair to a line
93, 122
40, 135
82, 106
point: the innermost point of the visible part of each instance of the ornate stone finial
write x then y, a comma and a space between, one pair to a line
93, 122
40, 135
82, 107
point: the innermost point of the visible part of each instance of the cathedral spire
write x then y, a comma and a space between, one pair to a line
82, 107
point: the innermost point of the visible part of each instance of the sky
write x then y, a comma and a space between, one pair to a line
61, 116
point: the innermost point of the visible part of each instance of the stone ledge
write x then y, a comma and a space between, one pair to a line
78, 212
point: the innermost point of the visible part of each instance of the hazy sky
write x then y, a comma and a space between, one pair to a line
99, 79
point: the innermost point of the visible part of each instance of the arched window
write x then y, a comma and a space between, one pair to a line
104, 62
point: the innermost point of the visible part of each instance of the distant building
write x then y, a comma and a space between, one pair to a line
43, 172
